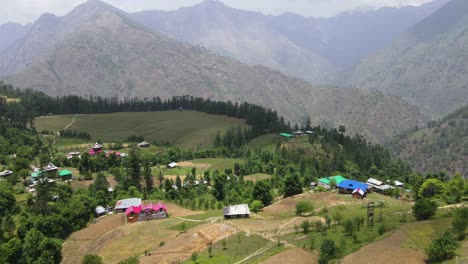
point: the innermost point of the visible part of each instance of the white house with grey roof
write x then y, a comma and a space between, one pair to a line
237, 211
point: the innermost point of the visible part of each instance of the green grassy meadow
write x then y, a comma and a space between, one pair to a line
188, 128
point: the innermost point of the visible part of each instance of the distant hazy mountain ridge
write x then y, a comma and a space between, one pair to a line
427, 66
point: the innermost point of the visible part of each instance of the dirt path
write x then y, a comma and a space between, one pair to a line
258, 252
387, 251
71, 123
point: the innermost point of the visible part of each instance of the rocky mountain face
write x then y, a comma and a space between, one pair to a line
106, 53
428, 66
11, 32
45, 33
441, 145
314, 49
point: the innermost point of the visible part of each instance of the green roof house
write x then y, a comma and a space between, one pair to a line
65, 175
286, 135
325, 182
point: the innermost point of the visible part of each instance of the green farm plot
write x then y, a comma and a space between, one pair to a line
237, 247
182, 128
218, 163
257, 177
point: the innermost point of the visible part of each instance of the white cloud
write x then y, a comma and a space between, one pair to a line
24, 11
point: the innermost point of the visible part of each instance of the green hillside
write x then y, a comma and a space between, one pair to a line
442, 145
187, 128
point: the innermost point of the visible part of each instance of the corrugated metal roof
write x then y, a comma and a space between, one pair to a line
352, 185
338, 179
374, 181
126, 203
240, 209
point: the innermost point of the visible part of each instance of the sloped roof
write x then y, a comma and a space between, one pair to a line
99, 210
126, 203
6, 173
352, 185
338, 179
374, 182
287, 135
358, 190
148, 207
172, 164
64, 173
240, 209
397, 183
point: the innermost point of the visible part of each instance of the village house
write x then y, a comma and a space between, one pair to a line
358, 194
286, 135
377, 185
236, 211
398, 184
123, 204
96, 148
99, 210
143, 144
172, 165
146, 212
6, 173
298, 133
65, 175
348, 186
325, 182
71, 155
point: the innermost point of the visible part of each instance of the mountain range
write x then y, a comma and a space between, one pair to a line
427, 66
314, 49
97, 49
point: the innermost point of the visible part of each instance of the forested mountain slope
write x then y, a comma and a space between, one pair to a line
442, 145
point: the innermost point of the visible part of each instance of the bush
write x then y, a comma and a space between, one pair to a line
303, 207
305, 225
424, 209
382, 229
92, 259
348, 227
256, 205
328, 251
460, 222
442, 248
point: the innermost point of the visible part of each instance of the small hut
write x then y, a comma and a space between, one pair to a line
237, 211
143, 144
65, 175
359, 194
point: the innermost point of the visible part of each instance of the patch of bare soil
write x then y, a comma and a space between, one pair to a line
193, 165
387, 251
87, 240
295, 255
195, 240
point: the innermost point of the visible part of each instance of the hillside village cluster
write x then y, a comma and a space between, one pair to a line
135, 210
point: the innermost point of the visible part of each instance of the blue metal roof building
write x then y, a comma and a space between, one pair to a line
353, 185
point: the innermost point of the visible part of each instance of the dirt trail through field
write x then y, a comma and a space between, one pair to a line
387, 251
71, 123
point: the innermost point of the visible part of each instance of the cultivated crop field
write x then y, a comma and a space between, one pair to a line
183, 128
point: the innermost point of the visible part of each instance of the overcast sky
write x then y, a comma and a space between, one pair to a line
23, 11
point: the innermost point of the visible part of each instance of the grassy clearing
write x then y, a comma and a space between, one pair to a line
392, 216
237, 248
265, 141
187, 128
257, 177
421, 234
218, 163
